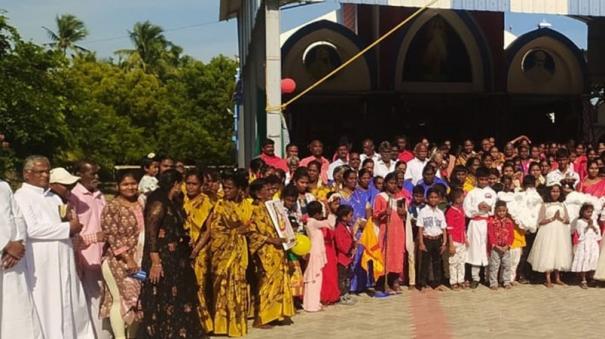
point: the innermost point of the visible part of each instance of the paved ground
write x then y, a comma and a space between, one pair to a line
524, 311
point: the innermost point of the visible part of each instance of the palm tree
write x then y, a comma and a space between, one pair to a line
70, 30
149, 44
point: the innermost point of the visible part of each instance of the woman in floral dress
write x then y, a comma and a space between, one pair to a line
122, 223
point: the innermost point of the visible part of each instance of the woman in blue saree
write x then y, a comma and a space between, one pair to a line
358, 194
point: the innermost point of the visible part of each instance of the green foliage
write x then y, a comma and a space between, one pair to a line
151, 52
114, 113
31, 103
69, 31
200, 123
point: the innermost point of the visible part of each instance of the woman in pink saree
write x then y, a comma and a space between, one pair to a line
593, 184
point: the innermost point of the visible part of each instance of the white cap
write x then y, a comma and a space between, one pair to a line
60, 175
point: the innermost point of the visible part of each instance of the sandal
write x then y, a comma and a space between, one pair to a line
548, 285
560, 283
584, 284
441, 288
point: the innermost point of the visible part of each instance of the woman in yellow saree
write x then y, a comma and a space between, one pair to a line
229, 251
197, 205
274, 299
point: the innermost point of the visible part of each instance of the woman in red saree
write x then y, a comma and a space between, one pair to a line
592, 183
389, 213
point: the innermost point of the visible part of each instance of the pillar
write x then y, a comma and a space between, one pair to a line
273, 73
596, 50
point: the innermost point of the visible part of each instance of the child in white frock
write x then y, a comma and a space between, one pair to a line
599, 273
586, 239
552, 251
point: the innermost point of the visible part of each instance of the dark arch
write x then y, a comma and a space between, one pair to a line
528, 37
480, 39
370, 56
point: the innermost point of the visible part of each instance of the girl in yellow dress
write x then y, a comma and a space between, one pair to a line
211, 186
274, 299
197, 205
314, 183
229, 225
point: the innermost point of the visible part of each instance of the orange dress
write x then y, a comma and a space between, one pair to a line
391, 237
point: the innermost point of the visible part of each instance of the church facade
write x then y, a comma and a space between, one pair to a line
444, 75
448, 73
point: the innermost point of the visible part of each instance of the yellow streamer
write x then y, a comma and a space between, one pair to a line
279, 109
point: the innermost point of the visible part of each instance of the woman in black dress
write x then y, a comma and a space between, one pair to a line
169, 295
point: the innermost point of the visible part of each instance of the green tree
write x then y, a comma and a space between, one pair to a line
70, 30
97, 109
149, 45
31, 102
100, 132
199, 126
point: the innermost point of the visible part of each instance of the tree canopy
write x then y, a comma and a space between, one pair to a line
74, 107
70, 30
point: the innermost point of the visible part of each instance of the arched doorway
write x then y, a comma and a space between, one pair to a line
546, 82
335, 108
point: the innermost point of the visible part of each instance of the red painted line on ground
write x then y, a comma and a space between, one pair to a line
428, 318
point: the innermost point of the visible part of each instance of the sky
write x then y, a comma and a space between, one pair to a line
193, 24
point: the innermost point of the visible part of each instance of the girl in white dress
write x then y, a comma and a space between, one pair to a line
599, 273
552, 250
586, 239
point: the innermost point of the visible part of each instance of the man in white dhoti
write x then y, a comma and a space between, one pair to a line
57, 292
478, 206
18, 318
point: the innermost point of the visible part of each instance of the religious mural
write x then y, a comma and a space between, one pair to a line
321, 59
437, 54
539, 66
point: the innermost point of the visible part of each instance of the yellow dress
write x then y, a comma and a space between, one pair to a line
198, 209
274, 299
469, 183
229, 261
244, 210
518, 238
320, 192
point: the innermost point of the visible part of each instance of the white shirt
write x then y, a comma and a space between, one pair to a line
19, 318
381, 169
148, 184
334, 166
57, 291
432, 221
414, 169
477, 228
475, 197
556, 176
374, 157
12, 225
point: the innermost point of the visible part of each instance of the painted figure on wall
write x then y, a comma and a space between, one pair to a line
437, 54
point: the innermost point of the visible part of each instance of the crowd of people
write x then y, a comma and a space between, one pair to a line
182, 253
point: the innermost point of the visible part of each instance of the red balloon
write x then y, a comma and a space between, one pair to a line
288, 86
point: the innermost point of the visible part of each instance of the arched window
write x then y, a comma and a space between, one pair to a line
437, 54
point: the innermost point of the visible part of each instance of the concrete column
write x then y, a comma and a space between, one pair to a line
596, 50
273, 73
